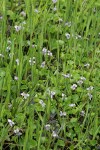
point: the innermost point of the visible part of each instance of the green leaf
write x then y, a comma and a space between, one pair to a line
33, 143
2, 72
73, 120
61, 143
11, 14
93, 142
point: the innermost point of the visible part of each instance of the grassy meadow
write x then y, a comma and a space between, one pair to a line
49, 75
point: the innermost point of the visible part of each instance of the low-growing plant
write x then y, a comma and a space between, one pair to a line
49, 75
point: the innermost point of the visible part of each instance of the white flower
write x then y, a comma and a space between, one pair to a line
72, 105
55, 8
23, 23
47, 127
94, 9
42, 103
18, 28
67, 75
17, 61
90, 88
8, 41
49, 53
68, 24
44, 51
36, 11
1, 17
82, 78
15, 78
80, 82
63, 95
90, 96
82, 113
11, 123
23, 13
1, 55
43, 64
60, 20
10, 106
67, 35
17, 132
86, 65
54, 1
28, 42
25, 95
8, 48
62, 113
11, 55
32, 61
52, 93
78, 37
33, 45
74, 86
54, 134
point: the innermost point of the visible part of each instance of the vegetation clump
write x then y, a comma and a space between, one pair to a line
49, 75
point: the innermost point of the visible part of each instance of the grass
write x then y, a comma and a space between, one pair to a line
49, 75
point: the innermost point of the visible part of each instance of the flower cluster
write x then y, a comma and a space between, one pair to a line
54, 134
36, 11
8, 48
32, 61
46, 52
67, 36
42, 64
87, 65
47, 127
63, 95
1, 55
17, 61
15, 78
25, 95
89, 89
62, 114
11, 123
72, 105
90, 96
23, 14
51, 93
82, 113
17, 132
67, 75
54, 1
74, 86
21, 25
80, 82
68, 24
18, 28
42, 103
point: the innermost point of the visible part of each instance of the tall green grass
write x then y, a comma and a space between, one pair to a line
76, 127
